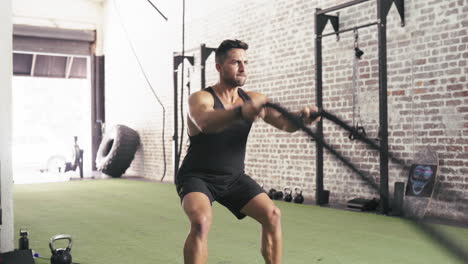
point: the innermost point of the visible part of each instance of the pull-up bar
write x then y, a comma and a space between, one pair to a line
348, 29
383, 6
338, 7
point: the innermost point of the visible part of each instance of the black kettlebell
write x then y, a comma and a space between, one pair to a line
60, 255
23, 243
287, 194
271, 193
298, 198
278, 195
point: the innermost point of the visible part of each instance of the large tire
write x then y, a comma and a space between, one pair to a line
117, 150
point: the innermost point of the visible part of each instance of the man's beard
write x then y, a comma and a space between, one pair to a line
235, 82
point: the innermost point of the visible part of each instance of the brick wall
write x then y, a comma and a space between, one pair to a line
427, 92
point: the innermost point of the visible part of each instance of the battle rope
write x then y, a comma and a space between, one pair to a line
431, 232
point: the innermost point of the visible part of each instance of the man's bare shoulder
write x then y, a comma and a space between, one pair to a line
201, 96
255, 95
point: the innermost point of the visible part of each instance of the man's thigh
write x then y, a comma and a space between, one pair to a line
239, 194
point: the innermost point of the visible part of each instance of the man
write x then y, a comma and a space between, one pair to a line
220, 118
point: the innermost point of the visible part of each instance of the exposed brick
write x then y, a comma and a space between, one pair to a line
427, 90
420, 90
436, 133
454, 163
454, 87
454, 148
420, 61
463, 109
399, 92
453, 102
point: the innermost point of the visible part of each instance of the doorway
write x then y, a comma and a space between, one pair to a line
51, 103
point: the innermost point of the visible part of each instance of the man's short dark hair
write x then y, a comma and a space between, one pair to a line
227, 45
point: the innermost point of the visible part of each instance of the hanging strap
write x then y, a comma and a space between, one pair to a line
355, 78
359, 130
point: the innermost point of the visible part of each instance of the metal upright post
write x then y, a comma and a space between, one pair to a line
203, 66
382, 9
205, 53
175, 137
318, 95
178, 59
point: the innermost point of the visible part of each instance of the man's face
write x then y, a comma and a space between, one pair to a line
233, 70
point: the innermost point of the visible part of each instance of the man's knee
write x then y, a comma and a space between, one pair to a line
200, 225
273, 217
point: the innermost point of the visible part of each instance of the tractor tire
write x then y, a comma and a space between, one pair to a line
117, 150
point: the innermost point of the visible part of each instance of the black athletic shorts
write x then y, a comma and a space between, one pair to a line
233, 195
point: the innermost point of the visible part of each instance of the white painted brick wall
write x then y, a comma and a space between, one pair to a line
427, 91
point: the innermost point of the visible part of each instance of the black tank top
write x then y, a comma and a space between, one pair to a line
217, 154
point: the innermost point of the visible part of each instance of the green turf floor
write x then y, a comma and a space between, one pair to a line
120, 221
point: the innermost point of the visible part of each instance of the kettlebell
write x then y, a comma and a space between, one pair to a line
23, 243
275, 195
298, 198
287, 194
271, 193
278, 195
60, 255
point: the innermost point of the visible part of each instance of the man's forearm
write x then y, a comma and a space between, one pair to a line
217, 120
287, 125
279, 121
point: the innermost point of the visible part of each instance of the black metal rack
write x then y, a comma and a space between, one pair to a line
321, 19
178, 59
205, 52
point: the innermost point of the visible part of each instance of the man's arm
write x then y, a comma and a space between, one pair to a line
205, 117
210, 120
277, 120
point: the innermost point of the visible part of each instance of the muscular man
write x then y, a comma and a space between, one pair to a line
220, 118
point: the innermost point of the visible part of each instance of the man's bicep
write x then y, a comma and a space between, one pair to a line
198, 105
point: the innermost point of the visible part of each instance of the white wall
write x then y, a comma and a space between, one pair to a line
129, 99
71, 14
6, 179
81, 14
